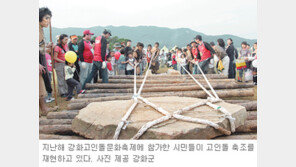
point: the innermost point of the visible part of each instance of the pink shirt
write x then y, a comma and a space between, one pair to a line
60, 51
48, 62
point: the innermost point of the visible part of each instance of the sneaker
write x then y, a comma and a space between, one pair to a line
82, 92
49, 100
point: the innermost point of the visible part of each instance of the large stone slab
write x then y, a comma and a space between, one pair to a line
99, 119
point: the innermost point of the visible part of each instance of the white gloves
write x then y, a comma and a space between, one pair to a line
104, 65
83, 65
216, 59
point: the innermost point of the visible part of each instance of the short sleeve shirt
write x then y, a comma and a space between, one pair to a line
61, 52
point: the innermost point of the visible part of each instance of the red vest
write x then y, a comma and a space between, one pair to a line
173, 61
98, 52
87, 53
204, 52
194, 52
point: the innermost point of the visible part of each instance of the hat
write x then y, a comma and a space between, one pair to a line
107, 31
73, 36
193, 42
86, 32
117, 45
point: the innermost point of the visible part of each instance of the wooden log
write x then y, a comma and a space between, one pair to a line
59, 137
78, 104
160, 84
250, 126
55, 129
128, 88
44, 121
209, 76
164, 81
224, 93
249, 136
250, 105
252, 115
62, 115
96, 94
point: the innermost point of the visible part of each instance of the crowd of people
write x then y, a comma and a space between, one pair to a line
95, 60
217, 58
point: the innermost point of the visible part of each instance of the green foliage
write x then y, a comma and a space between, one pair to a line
79, 38
112, 40
115, 39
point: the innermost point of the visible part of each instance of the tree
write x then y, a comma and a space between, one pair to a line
112, 40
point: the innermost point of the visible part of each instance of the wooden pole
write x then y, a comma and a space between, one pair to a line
53, 65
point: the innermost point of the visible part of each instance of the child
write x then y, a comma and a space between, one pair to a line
243, 54
110, 66
130, 64
182, 63
121, 63
49, 97
174, 62
72, 83
178, 56
113, 62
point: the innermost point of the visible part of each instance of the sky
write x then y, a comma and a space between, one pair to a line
211, 17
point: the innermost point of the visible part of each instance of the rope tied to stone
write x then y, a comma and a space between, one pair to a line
177, 114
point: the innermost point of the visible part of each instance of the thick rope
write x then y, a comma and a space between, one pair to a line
128, 113
202, 121
144, 81
150, 124
123, 120
203, 88
135, 80
190, 107
177, 113
227, 114
159, 109
214, 92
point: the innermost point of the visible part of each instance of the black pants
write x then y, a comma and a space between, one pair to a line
255, 75
187, 68
72, 83
96, 78
76, 74
231, 71
130, 72
47, 82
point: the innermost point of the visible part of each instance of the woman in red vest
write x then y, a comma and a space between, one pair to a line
59, 56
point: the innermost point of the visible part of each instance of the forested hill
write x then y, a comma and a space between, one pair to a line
150, 34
